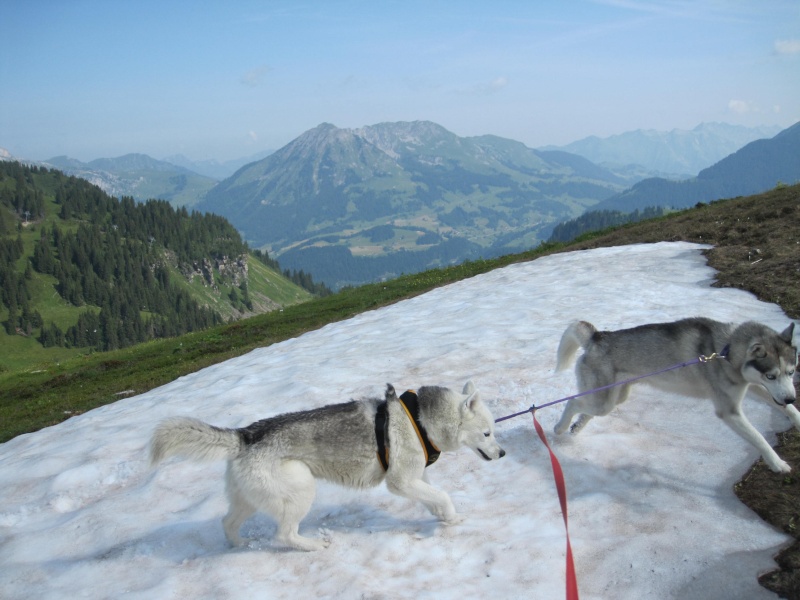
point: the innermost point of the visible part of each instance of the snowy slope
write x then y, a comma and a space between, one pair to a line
652, 511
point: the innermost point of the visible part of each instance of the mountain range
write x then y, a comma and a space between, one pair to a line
757, 167
215, 169
139, 177
355, 205
177, 179
676, 154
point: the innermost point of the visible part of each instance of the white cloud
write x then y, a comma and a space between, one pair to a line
787, 47
253, 136
742, 107
254, 76
498, 83
484, 89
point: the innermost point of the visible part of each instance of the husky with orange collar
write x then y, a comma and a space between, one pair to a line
273, 463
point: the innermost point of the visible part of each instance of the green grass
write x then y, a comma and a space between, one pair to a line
267, 288
269, 284
48, 392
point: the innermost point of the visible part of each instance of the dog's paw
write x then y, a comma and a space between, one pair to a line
240, 542
310, 545
325, 536
781, 467
298, 542
577, 426
444, 512
455, 519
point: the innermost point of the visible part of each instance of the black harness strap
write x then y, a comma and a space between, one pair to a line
381, 434
410, 402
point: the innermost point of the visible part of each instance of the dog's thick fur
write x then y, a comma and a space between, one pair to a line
273, 463
757, 356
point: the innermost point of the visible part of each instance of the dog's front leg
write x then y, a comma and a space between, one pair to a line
739, 423
437, 501
793, 414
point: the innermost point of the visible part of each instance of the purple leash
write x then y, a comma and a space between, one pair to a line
699, 359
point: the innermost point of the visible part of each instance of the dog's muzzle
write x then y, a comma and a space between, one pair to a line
784, 401
483, 454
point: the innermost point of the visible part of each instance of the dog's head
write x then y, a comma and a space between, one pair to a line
770, 362
477, 426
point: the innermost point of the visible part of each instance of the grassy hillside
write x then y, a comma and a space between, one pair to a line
34, 203
756, 248
268, 290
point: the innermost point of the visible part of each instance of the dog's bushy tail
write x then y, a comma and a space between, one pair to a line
192, 438
577, 335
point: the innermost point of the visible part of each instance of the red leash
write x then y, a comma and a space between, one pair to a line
558, 475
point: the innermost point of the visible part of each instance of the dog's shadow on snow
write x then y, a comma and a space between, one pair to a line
627, 479
198, 539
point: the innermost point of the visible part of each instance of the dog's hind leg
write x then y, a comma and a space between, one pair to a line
239, 511
598, 404
288, 500
591, 375
580, 423
570, 410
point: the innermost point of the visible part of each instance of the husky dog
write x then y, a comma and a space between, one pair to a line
273, 463
756, 355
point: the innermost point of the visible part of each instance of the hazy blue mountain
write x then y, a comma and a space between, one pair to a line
140, 177
400, 197
214, 168
676, 154
757, 167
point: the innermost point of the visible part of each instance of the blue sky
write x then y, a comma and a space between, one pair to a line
224, 80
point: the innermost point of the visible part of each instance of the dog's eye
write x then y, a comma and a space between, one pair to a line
487, 435
770, 376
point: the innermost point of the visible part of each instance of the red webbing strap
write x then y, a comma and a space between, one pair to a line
558, 475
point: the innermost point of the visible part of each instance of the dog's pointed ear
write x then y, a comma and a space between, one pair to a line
788, 334
757, 350
469, 387
390, 393
470, 401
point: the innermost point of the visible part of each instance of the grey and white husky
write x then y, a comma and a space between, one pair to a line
273, 463
756, 356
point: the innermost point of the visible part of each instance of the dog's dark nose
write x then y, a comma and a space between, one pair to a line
788, 401
502, 453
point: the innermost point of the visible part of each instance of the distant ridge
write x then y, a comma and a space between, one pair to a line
677, 154
757, 167
139, 176
215, 169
